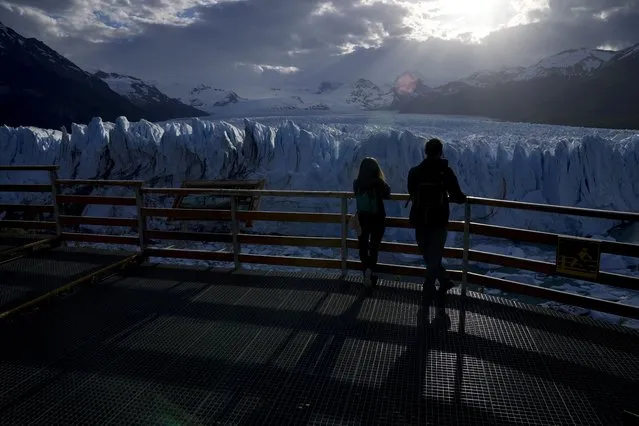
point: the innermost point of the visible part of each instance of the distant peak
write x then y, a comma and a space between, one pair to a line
103, 74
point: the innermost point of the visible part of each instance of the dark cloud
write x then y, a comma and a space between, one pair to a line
184, 40
562, 31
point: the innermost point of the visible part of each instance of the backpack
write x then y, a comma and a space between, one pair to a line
366, 202
430, 198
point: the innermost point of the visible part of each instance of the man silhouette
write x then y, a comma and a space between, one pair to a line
431, 185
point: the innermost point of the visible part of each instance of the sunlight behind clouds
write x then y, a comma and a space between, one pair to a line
470, 20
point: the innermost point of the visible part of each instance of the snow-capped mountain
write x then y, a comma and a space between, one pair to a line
631, 53
575, 62
367, 95
583, 87
202, 96
40, 87
409, 84
327, 96
570, 63
147, 96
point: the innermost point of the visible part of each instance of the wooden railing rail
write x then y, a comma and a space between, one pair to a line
31, 211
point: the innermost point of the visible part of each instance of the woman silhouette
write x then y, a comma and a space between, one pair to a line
370, 190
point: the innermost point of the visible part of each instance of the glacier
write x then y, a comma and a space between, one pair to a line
593, 170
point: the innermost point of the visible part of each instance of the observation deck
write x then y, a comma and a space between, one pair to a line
113, 337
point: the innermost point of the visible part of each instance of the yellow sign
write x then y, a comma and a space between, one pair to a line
578, 257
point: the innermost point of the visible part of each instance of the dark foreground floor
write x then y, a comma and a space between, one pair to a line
177, 346
29, 277
8, 241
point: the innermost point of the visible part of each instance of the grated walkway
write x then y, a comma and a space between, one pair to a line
29, 277
188, 346
8, 242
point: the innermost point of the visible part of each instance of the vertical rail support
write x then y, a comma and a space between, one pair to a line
235, 230
53, 176
344, 235
139, 204
466, 248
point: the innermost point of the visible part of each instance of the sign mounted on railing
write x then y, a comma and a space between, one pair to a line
578, 257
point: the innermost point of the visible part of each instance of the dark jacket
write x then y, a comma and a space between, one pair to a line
428, 171
381, 188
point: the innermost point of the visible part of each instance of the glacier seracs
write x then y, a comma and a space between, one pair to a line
590, 171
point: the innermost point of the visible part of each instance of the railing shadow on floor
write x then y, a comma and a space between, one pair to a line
310, 376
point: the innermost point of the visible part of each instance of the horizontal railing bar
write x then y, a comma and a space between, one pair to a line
26, 224
277, 240
515, 234
186, 214
619, 249
246, 192
224, 192
555, 295
31, 208
100, 238
100, 221
189, 254
103, 182
548, 208
536, 237
547, 268
307, 262
25, 188
25, 167
225, 215
92, 199
270, 216
289, 217
206, 237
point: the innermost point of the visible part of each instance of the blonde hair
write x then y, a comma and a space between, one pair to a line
370, 169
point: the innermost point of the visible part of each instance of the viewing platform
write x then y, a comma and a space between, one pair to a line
109, 337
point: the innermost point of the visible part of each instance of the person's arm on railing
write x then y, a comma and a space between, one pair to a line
412, 186
452, 186
384, 190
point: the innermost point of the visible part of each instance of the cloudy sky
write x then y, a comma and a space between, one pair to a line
234, 42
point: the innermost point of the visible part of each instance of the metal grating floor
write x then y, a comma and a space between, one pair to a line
8, 242
26, 278
188, 346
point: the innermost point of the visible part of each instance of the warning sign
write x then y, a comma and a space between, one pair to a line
578, 257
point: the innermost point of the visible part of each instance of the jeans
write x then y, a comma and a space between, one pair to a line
373, 227
431, 242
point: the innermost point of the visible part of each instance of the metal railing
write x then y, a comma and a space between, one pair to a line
236, 238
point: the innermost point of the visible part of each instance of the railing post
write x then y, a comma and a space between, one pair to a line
235, 231
53, 176
466, 247
344, 235
139, 203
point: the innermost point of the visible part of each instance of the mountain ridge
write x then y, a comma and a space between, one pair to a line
40, 87
594, 89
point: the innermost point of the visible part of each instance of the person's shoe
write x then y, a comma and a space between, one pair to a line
445, 286
374, 279
428, 293
367, 277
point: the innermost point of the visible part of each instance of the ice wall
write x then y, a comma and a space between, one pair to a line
589, 172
